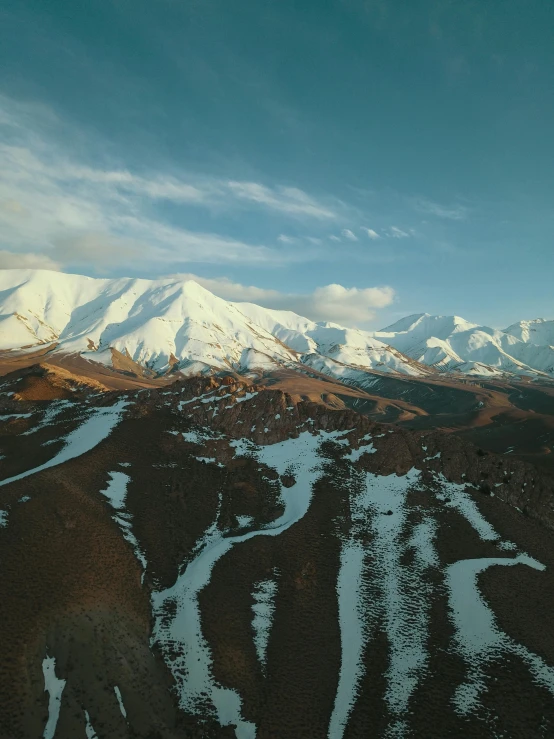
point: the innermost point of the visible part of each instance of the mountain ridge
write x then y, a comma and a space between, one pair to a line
168, 323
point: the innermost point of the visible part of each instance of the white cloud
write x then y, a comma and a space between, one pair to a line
348, 234
334, 238
453, 212
26, 260
77, 221
284, 239
397, 233
371, 233
349, 306
314, 240
73, 213
289, 200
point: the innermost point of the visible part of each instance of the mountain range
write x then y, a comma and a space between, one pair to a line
219, 520
174, 325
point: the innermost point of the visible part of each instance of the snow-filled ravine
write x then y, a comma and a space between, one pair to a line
264, 593
179, 635
389, 576
399, 601
116, 493
85, 437
478, 639
54, 686
397, 561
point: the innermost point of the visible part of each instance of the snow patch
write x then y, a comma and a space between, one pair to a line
209, 460
400, 597
464, 504
116, 493
478, 638
435, 456
264, 605
355, 454
353, 634
117, 692
52, 412
80, 441
178, 629
54, 687
89, 731
199, 436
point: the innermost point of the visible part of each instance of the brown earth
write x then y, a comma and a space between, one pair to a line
71, 585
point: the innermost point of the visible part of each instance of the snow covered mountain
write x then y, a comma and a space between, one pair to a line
167, 322
540, 331
158, 323
449, 343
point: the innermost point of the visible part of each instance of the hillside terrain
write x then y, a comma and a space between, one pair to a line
493, 387
219, 558
218, 520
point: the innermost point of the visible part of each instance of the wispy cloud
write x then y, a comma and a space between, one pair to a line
335, 238
350, 306
203, 191
289, 200
397, 233
75, 222
453, 212
54, 205
370, 233
348, 234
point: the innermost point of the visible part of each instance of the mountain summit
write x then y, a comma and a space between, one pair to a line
450, 343
173, 323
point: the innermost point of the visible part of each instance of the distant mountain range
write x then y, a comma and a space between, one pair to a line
171, 324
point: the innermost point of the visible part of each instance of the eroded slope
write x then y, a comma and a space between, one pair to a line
222, 559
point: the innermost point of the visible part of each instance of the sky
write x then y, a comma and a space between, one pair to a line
352, 160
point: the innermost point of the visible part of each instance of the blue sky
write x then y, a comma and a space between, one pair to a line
400, 150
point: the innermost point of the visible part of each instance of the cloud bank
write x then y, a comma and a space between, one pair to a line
335, 303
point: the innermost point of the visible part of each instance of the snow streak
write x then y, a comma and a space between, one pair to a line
264, 605
384, 582
117, 692
478, 638
89, 730
178, 629
88, 435
116, 493
395, 598
54, 687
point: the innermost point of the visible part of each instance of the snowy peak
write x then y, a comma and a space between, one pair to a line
159, 322
406, 324
539, 331
425, 324
450, 343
